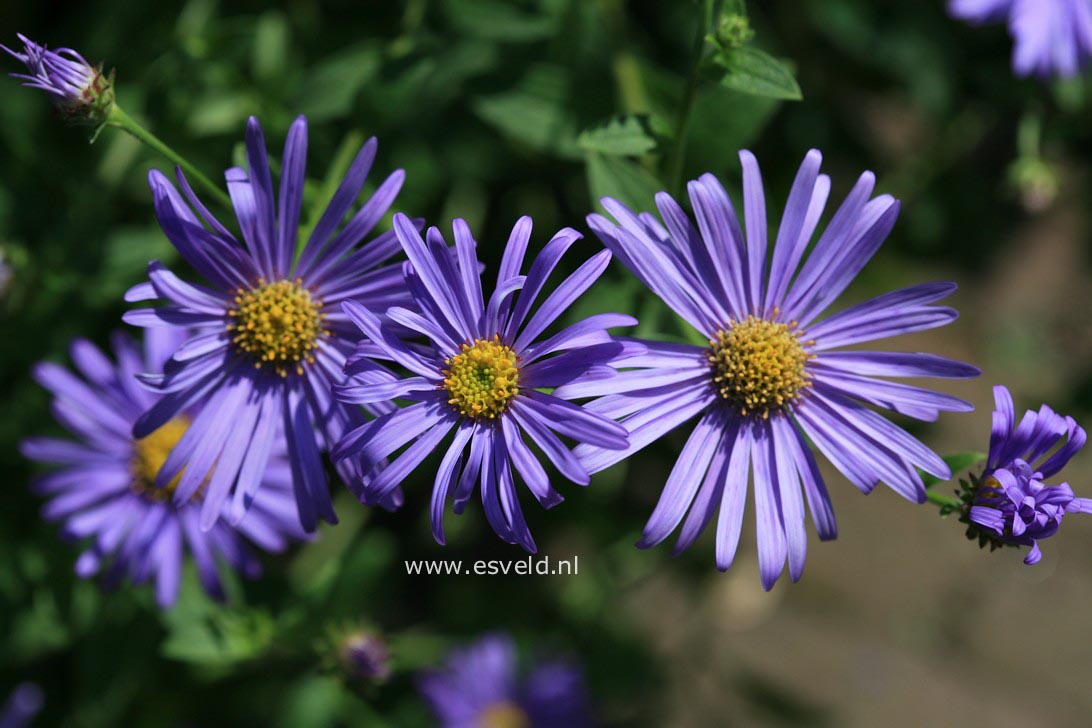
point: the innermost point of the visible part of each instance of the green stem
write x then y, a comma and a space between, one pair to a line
682, 123
119, 119
943, 500
624, 65
1028, 135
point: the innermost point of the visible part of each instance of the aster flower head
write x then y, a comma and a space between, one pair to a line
1011, 504
480, 376
271, 338
1053, 37
770, 378
79, 90
22, 706
105, 491
480, 687
363, 655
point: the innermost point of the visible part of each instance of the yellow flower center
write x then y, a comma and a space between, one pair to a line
279, 324
482, 378
758, 365
504, 715
149, 455
990, 489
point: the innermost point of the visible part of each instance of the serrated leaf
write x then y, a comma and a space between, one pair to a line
958, 463
534, 112
756, 72
624, 180
626, 135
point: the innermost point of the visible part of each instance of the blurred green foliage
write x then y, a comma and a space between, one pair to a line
495, 109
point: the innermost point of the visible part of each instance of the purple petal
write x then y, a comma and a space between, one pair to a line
446, 476
896, 364
685, 478
793, 234
730, 519
769, 529
293, 175
339, 205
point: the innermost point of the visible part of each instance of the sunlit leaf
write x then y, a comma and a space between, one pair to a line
756, 72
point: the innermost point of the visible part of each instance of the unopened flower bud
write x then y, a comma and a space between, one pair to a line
79, 91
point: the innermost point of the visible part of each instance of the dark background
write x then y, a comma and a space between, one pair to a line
901, 620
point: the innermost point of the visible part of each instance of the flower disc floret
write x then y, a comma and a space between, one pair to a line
504, 715
482, 378
758, 365
279, 324
149, 454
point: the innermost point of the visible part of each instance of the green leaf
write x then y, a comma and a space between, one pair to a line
498, 20
219, 113
203, 632
624, 180
270, 50
625, 135
958, 463
756, 72
314, 701
331, 87
534, 112
126, 254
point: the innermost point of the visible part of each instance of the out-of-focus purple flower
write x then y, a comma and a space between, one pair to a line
1011, 503
1053, 37
105, 491
770, 378
271, 338
364, 656
480, 687
24, 703
79, 90
480, 376
6, 274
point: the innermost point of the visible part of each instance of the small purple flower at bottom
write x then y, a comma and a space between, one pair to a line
78, 89
1011, 504
480, 378
24, 703
480, 687
1053, 37
105, 491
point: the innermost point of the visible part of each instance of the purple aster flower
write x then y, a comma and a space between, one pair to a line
769, 379
79, 90
480, 375
1010, 503
1053, 37
480, 687
271, 336
22, 706
7, 274
106, 491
